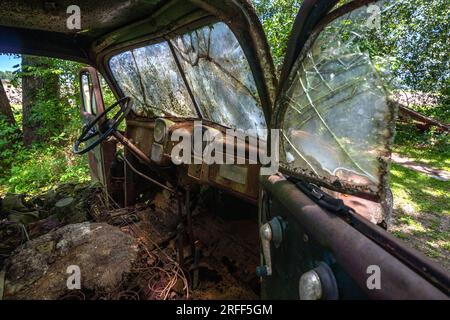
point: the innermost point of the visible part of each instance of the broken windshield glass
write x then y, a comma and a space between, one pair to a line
150, 76
220, 77
338, 122
215, 69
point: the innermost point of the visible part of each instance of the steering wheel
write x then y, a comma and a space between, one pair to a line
105, 129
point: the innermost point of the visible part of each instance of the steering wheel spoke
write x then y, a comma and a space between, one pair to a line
104, 130
91, 134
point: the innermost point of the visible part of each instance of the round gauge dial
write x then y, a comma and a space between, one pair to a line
160, 131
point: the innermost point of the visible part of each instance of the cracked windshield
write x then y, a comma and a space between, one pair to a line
338, 120
209, 63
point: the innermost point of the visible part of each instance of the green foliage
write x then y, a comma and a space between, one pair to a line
440, 112
423, 193
424, 224
415, 35
6, 75
277, 17
430, 147
52, 113
42, 166
108, 95
49, 115
10, 144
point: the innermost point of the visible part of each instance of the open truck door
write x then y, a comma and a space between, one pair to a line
91, 106
336, 125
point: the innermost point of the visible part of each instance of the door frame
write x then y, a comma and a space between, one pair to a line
96, 155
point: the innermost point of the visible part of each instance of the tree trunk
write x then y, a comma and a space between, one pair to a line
35, 87
5, 107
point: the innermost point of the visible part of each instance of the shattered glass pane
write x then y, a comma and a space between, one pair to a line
337, 125
150, 76
216, 71
220, 77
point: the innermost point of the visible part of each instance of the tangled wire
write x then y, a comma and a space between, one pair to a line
160, 270
155, 274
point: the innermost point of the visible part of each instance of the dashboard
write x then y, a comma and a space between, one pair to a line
161, 138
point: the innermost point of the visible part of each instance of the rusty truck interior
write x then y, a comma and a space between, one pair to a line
188, 67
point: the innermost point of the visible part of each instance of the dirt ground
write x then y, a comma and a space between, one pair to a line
220, 265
